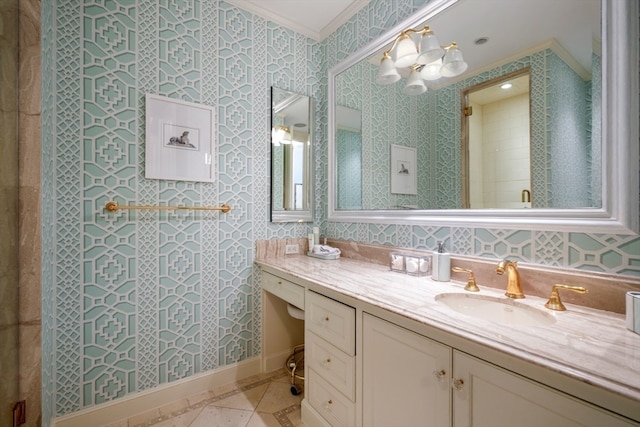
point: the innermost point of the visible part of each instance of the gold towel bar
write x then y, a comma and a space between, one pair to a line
114, 206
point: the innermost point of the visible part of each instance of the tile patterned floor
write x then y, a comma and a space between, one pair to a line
259, 401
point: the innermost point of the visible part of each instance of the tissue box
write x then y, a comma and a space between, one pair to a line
633, 311
417, 265
396, 262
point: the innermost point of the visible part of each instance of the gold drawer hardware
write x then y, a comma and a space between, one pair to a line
440, 375
457, 384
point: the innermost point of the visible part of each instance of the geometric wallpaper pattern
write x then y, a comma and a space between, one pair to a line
135, 299
349, 167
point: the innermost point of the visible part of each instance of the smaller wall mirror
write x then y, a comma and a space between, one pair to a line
291, 144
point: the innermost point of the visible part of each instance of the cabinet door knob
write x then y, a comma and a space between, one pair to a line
327, 405
326, 362
457, 384
440, 374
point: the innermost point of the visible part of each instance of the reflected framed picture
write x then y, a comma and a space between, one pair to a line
404, 177
179, 140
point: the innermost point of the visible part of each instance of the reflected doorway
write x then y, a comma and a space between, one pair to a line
497, 141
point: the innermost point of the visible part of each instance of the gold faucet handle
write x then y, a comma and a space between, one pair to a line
471, 283
555, 303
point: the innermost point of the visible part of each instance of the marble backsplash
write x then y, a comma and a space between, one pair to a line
606, 291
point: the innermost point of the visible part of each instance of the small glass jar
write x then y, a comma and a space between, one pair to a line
396, 262
418, 265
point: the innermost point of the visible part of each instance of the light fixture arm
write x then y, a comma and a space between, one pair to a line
387, 53
424, 60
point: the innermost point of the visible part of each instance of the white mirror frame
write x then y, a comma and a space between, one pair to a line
620, 185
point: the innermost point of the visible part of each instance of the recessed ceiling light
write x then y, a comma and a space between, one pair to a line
506, 86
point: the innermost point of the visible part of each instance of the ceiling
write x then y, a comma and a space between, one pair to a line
509, 24
313, 18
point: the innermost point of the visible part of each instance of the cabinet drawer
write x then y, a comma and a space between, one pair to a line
331, 320
332, 364
329, 402
288, 291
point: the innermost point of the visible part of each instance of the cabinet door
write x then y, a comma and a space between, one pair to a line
489, 396
405, 377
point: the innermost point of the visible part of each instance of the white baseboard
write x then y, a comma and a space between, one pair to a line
276, 361
144, 401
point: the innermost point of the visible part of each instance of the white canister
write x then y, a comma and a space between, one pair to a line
633, 311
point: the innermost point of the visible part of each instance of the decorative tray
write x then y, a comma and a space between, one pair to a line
323, 256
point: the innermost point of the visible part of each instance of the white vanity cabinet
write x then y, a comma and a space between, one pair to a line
411, 380
367, 365
330, 346
486, 395
405, 377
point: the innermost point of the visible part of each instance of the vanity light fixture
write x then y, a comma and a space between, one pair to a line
280, 135
425, 60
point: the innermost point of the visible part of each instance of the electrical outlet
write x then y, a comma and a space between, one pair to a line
291, 249
20, 413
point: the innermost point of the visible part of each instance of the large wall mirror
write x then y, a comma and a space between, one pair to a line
291, 140
575, 59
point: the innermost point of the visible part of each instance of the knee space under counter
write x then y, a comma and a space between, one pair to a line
281, 331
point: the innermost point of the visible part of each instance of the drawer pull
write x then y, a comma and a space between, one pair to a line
440, 374
326, 319
457, 384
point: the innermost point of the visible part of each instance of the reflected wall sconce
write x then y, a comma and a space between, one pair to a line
280, 135
424, 60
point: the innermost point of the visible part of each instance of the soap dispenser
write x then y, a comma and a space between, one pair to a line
441, 265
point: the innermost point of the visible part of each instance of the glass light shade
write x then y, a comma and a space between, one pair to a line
286, 136
387, 72
405, 52
276, 135
453, 63
432, 71
415, 84
280, 135
430, 49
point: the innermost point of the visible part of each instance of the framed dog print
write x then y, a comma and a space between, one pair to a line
404, 177
179, 140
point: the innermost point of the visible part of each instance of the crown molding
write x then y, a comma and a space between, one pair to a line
283, 20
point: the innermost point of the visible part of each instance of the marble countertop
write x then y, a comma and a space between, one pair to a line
589, 345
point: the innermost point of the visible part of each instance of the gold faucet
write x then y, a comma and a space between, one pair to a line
514, 288
554, 302
472, 286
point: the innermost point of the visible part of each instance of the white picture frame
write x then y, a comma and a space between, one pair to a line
404, 177
179, 140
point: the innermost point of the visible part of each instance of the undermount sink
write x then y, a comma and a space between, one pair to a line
504, 311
